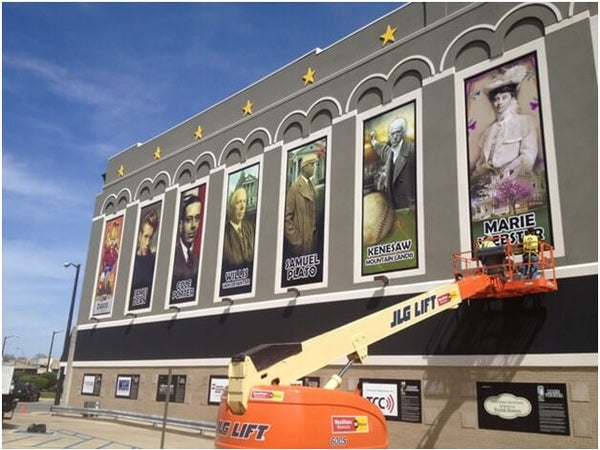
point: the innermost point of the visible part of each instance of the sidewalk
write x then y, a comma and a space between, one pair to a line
70, 431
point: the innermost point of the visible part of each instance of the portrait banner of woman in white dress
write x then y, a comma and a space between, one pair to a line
507, 163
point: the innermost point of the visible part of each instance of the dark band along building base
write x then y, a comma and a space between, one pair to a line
420, 134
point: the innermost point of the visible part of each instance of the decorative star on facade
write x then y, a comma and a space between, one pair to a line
248, 108
157, 153
388, 36
309, 77
121, 171
198, 133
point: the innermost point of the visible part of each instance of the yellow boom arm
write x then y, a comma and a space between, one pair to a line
285, 363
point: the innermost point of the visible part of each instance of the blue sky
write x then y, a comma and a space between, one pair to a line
83, 81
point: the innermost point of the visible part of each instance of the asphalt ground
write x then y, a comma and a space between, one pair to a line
75, 431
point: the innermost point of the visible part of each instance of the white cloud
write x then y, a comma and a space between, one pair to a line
116, 95
63, 82
19, 177
36, 293
27, 261
103, 149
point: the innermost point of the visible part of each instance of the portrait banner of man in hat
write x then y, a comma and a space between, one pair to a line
507, 165
389, 202
304, 214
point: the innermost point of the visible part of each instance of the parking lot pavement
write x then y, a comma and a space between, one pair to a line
70, 431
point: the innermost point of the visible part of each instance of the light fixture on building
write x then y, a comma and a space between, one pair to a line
227, 300
294, 291
385, 280
132, 315
174, 308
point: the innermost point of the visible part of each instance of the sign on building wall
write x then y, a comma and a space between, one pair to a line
145, 257
188, 243
389, 212
239, 237
91, 384
507, 158
216, 388
176, 390
527, 407
127, 386
397, 399
107, 272
303, 227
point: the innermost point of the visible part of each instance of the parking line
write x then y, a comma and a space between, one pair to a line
82, 441
15, 440
68, 432
45, 442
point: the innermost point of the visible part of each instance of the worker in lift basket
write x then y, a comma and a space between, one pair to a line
486, 243
531, 248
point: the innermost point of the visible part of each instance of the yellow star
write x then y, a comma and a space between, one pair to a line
198, 132
388, 36
248, 108
309, 77
121, 171
157, 153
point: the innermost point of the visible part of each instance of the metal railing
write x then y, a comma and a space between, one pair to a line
202, 427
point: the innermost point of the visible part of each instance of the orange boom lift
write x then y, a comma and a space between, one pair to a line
263, 409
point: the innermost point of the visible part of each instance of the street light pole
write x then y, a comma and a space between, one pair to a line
61, 375
54, 333
4, 342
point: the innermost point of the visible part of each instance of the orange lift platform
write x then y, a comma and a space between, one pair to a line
509, 275
264, 408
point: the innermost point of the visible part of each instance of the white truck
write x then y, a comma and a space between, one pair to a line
9, 401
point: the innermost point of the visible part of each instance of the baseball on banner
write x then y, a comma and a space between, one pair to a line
378, 217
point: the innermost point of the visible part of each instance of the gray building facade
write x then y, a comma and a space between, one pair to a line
435, 66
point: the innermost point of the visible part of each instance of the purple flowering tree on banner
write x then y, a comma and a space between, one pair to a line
513, 192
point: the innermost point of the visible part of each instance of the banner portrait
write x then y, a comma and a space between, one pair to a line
107, 272
188, 243
145, 257
389, 213
507, 164
237, 265
303, 227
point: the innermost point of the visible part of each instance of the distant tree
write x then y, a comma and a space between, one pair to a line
44, 381
513, 192
40, 356
50, 380
8, 357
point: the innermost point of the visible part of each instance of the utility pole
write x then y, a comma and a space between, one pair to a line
61, 372
54, 333
4, 342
